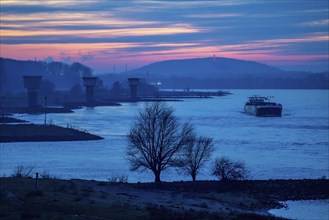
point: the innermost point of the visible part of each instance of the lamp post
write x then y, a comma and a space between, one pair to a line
45, 110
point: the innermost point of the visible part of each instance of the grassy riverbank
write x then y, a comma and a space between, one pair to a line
82, 199
35, 132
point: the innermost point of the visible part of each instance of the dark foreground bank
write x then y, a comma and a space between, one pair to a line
34, 132
82, 199
6, 120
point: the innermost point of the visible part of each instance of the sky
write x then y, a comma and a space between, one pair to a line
115, 35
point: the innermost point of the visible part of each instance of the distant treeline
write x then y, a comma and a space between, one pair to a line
55, 74
305, 81
311, 81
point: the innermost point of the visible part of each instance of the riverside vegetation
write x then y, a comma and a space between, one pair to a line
88, 199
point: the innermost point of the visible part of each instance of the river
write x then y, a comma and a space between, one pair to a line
288, 147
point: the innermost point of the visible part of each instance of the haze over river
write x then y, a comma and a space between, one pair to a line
288, 147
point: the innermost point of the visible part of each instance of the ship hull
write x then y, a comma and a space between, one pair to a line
264, 111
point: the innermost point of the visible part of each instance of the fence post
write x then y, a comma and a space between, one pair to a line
36, 181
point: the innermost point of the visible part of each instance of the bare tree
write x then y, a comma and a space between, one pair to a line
195, 155
156, 138
226, 169
21, 171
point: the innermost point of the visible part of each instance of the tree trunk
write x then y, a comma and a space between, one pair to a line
193, 174
157, 177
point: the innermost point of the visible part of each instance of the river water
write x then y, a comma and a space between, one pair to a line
289, 147
304, 210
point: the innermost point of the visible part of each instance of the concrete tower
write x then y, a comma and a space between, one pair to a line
32, 84
90, 82
133, 83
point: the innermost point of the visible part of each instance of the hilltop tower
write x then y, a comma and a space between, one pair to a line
90, 82
32, 84
133, 83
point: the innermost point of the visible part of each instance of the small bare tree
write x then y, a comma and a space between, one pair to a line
156, 138
195, 155
226, 169
21, 171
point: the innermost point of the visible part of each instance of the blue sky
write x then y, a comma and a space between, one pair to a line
289, 34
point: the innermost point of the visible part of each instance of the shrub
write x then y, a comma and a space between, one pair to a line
21, 171
46, 175
118, 179
226, 169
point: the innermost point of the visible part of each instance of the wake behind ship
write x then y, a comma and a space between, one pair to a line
262, 106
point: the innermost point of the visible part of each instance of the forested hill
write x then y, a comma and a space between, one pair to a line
210, 68
226, 73
55, 74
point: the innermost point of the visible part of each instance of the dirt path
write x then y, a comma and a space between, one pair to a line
176, 201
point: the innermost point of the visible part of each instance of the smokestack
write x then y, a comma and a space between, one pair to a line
90, 83
133, 83
32, 84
